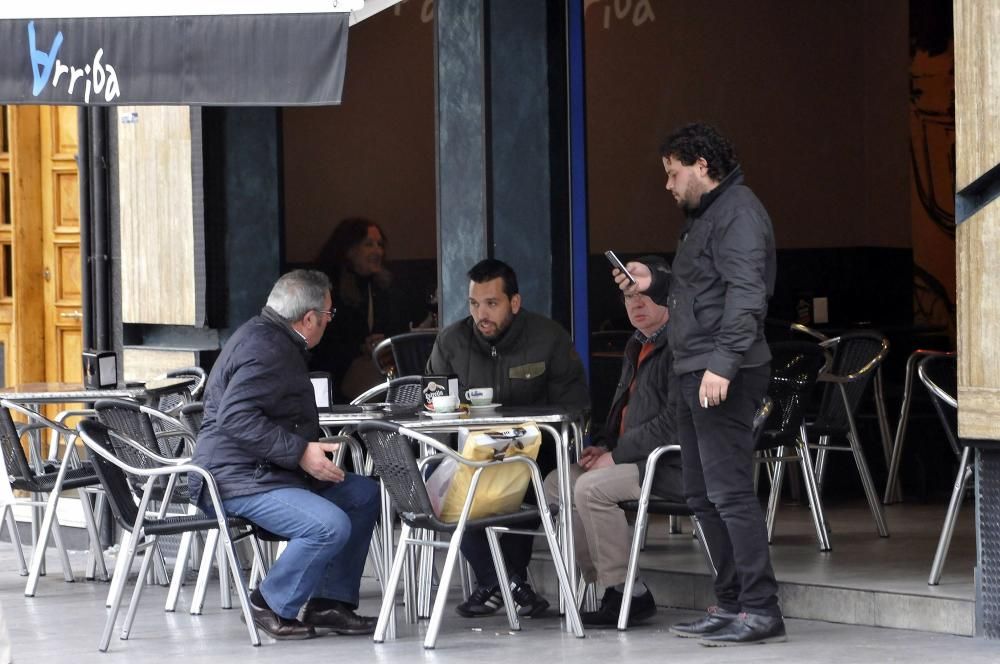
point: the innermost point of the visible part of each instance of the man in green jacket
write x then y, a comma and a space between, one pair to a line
528, 360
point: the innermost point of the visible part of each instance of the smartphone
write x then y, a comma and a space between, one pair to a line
610, 255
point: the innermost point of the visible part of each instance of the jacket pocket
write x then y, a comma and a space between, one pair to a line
526, 371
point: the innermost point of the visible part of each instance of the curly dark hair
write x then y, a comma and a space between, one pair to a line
697, 139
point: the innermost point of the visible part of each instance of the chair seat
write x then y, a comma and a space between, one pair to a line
174, 525
75, 479
658, 506
526, 514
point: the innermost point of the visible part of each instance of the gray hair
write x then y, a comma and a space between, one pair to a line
298, 292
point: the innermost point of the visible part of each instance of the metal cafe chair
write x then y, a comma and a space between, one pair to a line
402, 477
795, 366
891, 486
857, 356
650, 504
400, 391
110, 451
48, 478
404, 354
939, 374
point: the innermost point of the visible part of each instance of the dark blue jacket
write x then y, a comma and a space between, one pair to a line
260, 411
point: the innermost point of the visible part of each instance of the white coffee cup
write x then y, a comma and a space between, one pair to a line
444, 403
479, 396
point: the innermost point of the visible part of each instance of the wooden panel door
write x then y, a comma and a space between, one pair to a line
61, 268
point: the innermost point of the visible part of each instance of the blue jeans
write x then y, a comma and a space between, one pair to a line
328, 531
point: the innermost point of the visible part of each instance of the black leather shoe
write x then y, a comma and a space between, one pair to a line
281, 629
746, 629
334, 616
713, 620
642, 608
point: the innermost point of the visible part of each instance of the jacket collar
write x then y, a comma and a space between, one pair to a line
509, 339
735, 177
272, 317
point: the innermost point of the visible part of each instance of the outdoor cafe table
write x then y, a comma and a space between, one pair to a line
565, 427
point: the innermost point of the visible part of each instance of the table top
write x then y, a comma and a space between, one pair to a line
67, 392
416, 418
74, 392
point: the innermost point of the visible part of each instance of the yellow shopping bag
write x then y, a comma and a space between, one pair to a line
501, 489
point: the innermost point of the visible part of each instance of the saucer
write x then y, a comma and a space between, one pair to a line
443, 416
484, 408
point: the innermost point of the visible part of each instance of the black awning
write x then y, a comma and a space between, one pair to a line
227, 60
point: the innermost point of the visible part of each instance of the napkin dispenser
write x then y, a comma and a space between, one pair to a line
100, 369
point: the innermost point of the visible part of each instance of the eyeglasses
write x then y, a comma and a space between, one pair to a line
331, 313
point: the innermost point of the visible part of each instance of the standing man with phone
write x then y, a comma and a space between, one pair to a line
722, 277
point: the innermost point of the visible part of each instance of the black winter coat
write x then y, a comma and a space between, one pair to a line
260, 411
649, 420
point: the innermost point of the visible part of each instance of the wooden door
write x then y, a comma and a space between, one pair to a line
61, 270
40, 274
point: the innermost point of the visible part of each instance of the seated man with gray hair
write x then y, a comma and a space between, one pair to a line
260, 440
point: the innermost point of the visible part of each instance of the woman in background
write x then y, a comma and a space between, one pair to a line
367, 309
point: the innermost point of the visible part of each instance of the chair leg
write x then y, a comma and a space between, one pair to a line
641, 520
411, 582
152, 552
204, 572
120, 575
821, 453
15, 537
565, 584
225, 587
241, 587
90, 522
812, 494
774, 498
700, 536
442, 594
127, 554
503, 578
674, 523
954, 505
389, 592
180, 571
866, 482
426, 577
63, 553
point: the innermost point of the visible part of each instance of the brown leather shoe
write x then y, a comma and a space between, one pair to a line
338, 617
281, 629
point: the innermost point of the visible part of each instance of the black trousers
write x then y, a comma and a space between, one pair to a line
717, 455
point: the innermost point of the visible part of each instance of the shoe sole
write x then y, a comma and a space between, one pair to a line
322, 631
474, 614
726, 644
535, 611
283, 637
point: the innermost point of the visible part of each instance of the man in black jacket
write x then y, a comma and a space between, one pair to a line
722, 276
528, 360
610, 471
260, 440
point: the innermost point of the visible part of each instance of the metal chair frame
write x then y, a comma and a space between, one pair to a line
892, 494
71, 471
963, 452
389, 345
839, 383
105, 444
426, 520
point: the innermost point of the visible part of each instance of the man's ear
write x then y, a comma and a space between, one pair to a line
702, 165
515, 303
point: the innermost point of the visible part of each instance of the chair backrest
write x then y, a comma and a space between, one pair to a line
191, 415
396, 465
403, 391
794, 368
97, 436
857, 355
411, 350
18, 469
199, 375
939, 374
126, 418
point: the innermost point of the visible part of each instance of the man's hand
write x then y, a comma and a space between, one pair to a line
595, 457
643, 278
315, 462
713, 390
